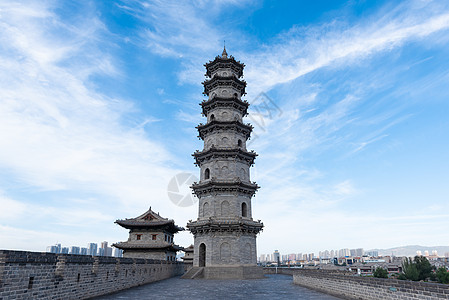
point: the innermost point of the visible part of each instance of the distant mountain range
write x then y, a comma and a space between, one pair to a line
411, 250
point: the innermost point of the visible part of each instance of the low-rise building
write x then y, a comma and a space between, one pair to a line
150, 236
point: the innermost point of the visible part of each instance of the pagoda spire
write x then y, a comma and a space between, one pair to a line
224, 54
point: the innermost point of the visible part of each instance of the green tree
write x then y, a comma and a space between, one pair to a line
423, 266
442, 275
380, 273
410, 270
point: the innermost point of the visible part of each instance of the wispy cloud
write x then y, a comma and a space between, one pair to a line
305, 49
58, 133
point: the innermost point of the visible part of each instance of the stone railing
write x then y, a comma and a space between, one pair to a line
349, 286
35, 275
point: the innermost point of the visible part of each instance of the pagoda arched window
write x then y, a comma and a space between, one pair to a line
225, 252
207, 173
205, 209
244, 210
235, 95
225, 208
250, 254
202, 255
239, 143
212, 117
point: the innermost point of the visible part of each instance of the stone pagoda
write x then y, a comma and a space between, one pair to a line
225, 232
150, 236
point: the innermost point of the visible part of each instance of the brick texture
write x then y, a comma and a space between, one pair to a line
35, 275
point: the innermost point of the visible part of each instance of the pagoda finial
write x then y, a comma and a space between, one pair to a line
224, 54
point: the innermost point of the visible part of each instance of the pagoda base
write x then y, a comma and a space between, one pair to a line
225, 272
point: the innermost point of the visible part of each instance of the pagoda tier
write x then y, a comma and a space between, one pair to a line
228, 126
219, 102
223, 62
224, 153
214, 186
225, 225
156, 248
224, 81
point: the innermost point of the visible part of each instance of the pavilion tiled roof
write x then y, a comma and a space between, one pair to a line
149, 219
146, 246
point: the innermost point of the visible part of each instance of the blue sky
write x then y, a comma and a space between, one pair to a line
99, 103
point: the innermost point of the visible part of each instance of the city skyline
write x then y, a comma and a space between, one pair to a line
91, 249
347, 103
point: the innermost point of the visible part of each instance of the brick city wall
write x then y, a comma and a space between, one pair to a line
347, 286
35, 275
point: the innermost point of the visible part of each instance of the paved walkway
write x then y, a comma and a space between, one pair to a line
272, 287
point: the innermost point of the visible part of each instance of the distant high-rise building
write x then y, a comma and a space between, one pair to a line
54, 249
92, 249
344, 252
65, 250
51, 249
426, 253
277, 257
434, 253
372, 253
117, 252
83, 251
418, 253
107, 251
446, 254
74, 250
299, 256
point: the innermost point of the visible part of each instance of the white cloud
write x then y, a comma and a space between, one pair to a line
57, 133
11, 209
305, 49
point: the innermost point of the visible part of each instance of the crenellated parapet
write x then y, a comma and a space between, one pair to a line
40, 275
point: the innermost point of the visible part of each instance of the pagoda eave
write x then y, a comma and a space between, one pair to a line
205, 129
216, 102
218, 81
221, 62
213, 186
211, 225
224, 153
